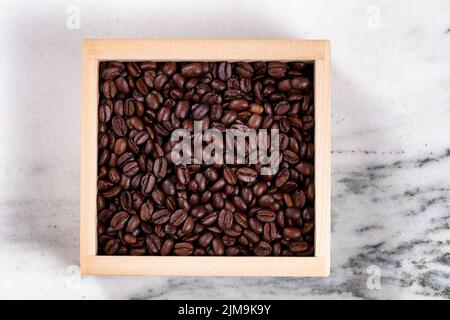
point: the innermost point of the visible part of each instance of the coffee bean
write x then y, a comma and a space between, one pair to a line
224, 71
119, 220
161, 216
205, 239
133, 223
246, 174
229, 175
119, 126
199, 111
131, 168
188, 226
183, 174
298, 246
291, 233
265, 215
160, 167
262, 249
282, 177
146, 211
225, 219
153, 243
183, 249
218, 247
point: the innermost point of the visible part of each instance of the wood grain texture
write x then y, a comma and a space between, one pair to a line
95, 51
206, 266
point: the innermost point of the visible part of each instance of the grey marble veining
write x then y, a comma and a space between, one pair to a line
390, 144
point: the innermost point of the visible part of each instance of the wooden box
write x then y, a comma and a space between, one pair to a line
95, 51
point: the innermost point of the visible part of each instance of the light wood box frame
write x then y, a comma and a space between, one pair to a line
204, 50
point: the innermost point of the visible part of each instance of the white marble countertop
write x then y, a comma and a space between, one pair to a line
390, 142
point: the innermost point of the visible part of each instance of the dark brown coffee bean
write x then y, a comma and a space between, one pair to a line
183, 249
161, 216
225, 219
153, 243
244, 69
119, 220
133, 223
193, 70
188, 226
238, 104
111, 247
246, 174
282, 177
146, 211
218, 185
296, 247
160, 167
152, 101
276, 69
119, 126
224, 71
255, 225
104, 113
218, 247
265, 215
241, 219
167, 247
251, 236
183, 174
147, 183
229, 175
131, 168
305, 168
255, 121
262, 249
291, 233
217, 201
205, 239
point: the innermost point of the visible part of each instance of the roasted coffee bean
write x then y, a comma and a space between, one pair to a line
160, 167
131, 168
225, 219
111, 247
224, 71
291, 233
229, 175
296, 247
146, 211
262, 249
218, 247
282, 178
167, 247
133, 223
149, 205
193, 70
161, 216
188, 226
183, 174
147, 183
183, 249
119, 220
205, 239
119, 126
217, 200
265, 215
246, 174
153, 243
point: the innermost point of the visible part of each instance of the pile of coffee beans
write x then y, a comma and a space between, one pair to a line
147, 205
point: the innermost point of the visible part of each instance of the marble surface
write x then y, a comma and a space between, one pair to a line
390, 143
